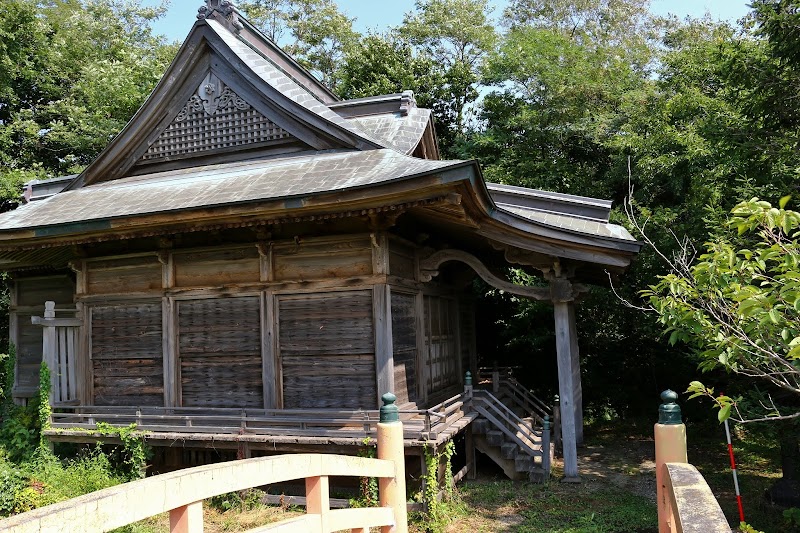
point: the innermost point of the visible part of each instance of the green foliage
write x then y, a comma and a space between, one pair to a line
44, 479
436, 516
791, 517
131, 459
319, 34
44, 404
71, 75
367, 486
738, 305
243, 500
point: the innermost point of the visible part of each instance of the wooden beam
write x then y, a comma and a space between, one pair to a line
384, 353
429, 268
566, 388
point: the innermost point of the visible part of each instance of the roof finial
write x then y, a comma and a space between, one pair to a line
224, 7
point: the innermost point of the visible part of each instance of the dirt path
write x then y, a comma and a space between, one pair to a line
628, 463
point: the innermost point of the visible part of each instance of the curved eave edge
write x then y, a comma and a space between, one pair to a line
609, 250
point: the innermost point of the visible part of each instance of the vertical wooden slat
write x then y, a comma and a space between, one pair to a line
269, 373
422, 348
13, 324
89, 380
72, 334
168, 353
455, 321
384, 357
61, 364
82, 366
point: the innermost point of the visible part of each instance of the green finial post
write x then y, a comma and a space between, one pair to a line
468, 379
389, 411
546, 423
669, 412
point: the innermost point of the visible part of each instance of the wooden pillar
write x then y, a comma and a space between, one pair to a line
384, 353
576, 374
187, 519
670, 443
392, 491
566, 388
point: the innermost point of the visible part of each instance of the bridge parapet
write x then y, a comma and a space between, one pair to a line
181, 493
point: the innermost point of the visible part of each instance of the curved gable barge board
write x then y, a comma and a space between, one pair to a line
190, 66
153, 115
265, 70
285, 62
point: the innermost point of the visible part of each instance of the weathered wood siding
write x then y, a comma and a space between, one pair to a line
126, 350
322, 259
469, 337
441, 343
213, 268
123, 275
327, 350
402, 262
404, 342
219, 345
28, 298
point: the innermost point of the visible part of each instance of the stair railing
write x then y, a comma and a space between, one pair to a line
504, 419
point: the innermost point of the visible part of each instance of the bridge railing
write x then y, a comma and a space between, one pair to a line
181, 493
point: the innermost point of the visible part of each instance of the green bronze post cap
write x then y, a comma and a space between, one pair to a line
389, 411
669, 412
546, 423
468, 378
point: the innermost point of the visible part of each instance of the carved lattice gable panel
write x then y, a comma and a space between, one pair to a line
215, 118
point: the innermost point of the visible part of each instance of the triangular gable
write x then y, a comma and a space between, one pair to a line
259, 105
216, 120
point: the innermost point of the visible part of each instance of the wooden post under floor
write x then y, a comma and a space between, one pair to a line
565, 324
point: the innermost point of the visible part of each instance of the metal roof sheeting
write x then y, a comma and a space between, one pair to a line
221, 184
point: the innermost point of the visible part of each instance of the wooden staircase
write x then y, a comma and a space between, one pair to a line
516, 440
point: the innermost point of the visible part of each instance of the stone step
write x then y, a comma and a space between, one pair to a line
537, 475
509, 450
480, 425
495, 437
523, 462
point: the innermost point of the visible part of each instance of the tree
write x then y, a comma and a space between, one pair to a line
71, 75
457, 35
319, 34
738, 306
386, 64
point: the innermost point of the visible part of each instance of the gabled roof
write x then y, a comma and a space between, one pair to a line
236, 133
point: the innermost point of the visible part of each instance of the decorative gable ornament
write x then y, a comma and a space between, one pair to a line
224, 7
214, 118
211, 95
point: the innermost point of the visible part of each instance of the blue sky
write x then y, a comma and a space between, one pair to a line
382, 14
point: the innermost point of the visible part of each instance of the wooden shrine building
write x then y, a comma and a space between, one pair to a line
253, 260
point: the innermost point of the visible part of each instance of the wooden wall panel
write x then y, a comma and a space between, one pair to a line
327, 351
404, 343
123, 275
31, 294
127, 357
441, 345
322, 259
214, 268
401, 260
468, 336
219, 346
